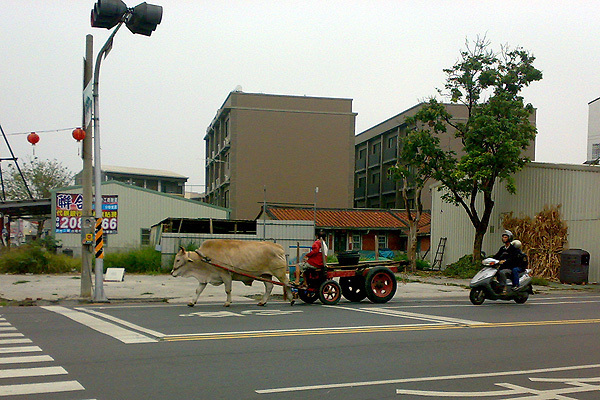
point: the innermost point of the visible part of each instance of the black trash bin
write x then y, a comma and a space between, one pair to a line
574, 266
348, 257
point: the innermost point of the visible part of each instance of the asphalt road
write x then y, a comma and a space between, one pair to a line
404, 349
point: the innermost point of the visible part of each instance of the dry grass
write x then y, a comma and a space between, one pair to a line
543, 238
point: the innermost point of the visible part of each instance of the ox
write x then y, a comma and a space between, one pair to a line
259, 259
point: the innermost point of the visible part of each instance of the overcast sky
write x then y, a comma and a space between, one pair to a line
158, 94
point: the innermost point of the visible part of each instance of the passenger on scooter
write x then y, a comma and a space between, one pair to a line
509, 260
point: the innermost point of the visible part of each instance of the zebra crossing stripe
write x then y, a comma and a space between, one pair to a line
14, 341
7, 328
12, 334
37, 388
20, 349
24, 359
27, 372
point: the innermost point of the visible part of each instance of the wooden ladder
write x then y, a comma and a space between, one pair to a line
439, 254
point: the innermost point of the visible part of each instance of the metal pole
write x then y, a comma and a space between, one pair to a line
264, 212
99, 295
86, 176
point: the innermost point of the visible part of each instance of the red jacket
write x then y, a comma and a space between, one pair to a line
315, 257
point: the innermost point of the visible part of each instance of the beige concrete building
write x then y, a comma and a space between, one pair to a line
280, 148
376, 151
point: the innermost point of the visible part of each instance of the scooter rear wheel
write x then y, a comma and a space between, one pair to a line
477, 296
521, 298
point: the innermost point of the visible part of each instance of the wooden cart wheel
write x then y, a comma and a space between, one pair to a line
380, 285
330, 293
353, 288
307, 296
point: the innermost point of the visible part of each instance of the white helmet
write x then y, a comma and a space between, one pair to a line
516, 243
508, 233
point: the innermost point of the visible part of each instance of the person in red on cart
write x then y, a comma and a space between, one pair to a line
318, 252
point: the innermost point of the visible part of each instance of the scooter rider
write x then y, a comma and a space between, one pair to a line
508, 256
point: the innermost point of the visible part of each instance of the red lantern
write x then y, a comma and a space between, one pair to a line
78, 134
33, 138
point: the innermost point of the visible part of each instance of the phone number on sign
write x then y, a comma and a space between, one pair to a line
73, 225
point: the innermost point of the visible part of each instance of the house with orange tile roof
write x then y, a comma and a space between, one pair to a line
362, 229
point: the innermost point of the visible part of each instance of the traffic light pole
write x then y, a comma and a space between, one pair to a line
86, 155
99, 295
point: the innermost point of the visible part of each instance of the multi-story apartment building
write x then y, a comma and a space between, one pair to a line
277, 148
376, 150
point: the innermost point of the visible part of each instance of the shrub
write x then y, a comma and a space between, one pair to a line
422, 265
34, 258
142, 260
464, 268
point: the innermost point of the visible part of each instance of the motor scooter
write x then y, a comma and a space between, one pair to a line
484, 285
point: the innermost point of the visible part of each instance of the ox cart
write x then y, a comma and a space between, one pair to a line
374, 280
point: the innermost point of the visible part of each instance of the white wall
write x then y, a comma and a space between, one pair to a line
138, 208
575, 187
593, 126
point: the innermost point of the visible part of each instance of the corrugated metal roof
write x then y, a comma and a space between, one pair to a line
349, 218
141, 171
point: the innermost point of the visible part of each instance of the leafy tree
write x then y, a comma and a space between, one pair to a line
41, 177
420, 157
495, 133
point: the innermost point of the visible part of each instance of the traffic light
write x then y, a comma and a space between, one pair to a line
144, 18
107, 13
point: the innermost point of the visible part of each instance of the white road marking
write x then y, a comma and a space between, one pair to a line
107, 328
299, 330
12, 334
7, 328
405, 314
37, 388
422, 379
123, 322
24, 359
26, 372
14, 341
20, 349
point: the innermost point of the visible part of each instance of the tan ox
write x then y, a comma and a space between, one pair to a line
259, 259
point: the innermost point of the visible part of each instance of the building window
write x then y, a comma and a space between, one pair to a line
595, 151
145, 236
382, 241
375, 179
391, 144
362, 154
356, 242
376, 147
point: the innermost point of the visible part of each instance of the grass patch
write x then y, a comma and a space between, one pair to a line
34, 258
142, 260
539, 281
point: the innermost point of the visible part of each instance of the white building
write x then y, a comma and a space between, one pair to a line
593, 147
575, 187
129, 212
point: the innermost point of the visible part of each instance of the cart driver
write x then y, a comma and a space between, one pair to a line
318, 253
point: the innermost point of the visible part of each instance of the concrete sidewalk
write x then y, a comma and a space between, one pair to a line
43, 289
